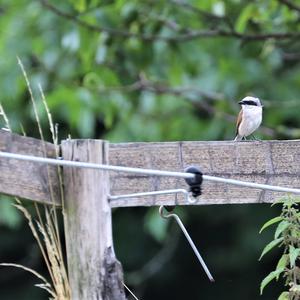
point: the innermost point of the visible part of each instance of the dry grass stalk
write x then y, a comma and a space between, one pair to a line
5, 118
46, 229
52, 251
34, 233
46, 285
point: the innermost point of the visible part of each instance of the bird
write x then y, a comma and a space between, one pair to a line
249, 118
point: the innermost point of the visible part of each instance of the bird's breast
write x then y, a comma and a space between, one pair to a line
252, 118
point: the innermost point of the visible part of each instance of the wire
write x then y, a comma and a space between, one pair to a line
189, 239
175, 191
68, 163
252, 184
128, 289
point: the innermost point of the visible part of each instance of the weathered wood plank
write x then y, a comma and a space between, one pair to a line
26, 179
93, 269
271, 162
268, 162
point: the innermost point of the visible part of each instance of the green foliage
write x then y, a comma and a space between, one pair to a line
270, 246
280, 228
106, 80
284, 296
269, 278
287, 234
92, 77
270, 222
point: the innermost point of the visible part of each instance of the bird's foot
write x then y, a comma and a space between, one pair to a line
254, 138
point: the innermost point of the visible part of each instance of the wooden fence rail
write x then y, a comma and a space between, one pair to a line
269, 162
93, 269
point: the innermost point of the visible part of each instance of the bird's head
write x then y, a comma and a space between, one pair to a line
250, 101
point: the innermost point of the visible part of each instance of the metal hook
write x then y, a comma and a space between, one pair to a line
172, 215
175, 191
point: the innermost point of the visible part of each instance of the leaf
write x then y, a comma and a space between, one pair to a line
283, 261
79, 5
294, 233
71, 41
293, 254
269, 278
281, 227
270, 246
219, 8
284, 296
248, 12
271, 222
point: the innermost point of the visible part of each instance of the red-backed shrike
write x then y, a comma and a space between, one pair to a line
249, 117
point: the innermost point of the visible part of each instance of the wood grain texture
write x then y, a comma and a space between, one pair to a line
26, 179
268, 162
94, 271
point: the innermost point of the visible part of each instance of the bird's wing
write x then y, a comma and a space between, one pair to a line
238, 121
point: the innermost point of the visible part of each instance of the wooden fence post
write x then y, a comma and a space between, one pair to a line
94, 271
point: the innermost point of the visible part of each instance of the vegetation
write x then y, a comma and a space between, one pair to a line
287, 236
153, 71
45, 227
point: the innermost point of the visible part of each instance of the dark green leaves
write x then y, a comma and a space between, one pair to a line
270, 222
270, 246
286, 235
269, 278
283, 262
293, 255
280, 228
284, 296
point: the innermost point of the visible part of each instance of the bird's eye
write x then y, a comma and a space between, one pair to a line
250, 102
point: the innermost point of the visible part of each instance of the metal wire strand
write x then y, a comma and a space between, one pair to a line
129, 290
152, 172
164, 192
172, 215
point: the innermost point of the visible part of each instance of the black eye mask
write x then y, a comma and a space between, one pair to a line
248, 102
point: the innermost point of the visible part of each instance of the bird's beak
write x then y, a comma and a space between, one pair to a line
241, 102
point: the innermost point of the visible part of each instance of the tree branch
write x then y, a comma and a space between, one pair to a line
159, 88
84, 24
196, 10
290, 5
202, 13
190, 35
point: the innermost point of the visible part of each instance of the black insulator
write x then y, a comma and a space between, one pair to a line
195, 182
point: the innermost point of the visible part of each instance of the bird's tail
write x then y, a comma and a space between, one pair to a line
238, 138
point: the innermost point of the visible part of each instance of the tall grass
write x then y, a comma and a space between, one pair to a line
45, 228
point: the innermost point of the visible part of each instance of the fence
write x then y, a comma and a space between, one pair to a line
94, 271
